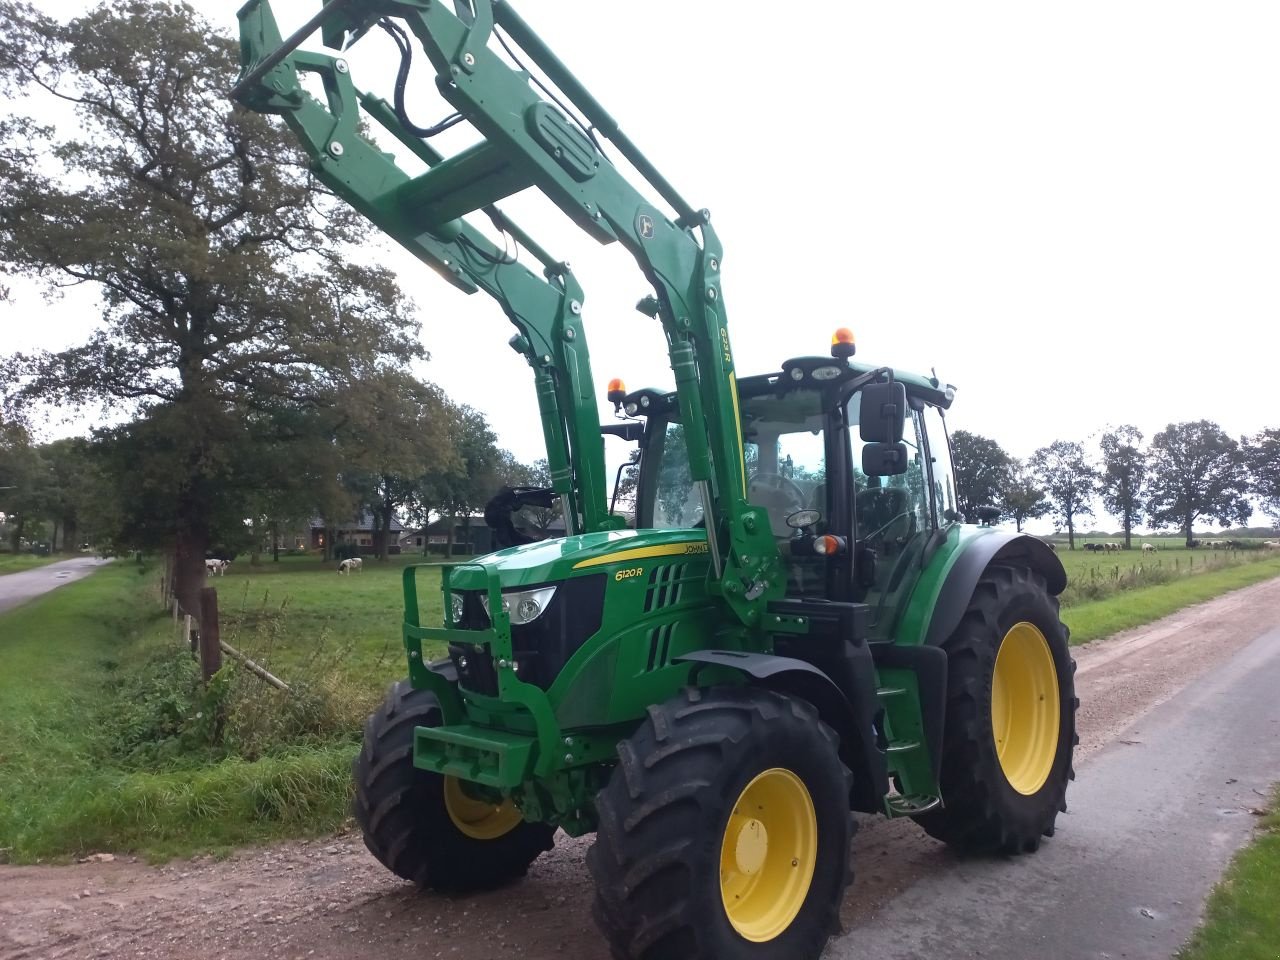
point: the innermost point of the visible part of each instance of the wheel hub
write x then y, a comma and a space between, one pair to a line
752, 847
1025, 711
767, 855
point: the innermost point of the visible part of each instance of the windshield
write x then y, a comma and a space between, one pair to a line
785, 452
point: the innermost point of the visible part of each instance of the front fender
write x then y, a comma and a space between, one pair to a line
854, 716
971, 559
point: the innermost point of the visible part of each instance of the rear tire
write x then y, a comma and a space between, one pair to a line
414, 821
1006, 805
724, 831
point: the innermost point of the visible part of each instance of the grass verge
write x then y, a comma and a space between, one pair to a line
105, 739
1241, 921
17, 562
1093, 619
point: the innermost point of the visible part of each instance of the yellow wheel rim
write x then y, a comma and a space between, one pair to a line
478, 819
1025, 714
767, 855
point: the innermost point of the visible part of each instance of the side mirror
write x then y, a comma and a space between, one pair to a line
884, 459
882, 413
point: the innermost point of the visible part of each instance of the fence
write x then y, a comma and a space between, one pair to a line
203, 634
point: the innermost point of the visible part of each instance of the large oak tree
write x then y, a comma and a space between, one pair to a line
1262, 454
225, 271
1069, 481
983, 471
1122, 481
1197, 471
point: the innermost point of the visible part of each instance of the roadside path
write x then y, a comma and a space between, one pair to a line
17, 588
1150, 825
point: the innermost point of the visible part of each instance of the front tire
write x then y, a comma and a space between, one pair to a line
724, 831
425, 827
1010, 720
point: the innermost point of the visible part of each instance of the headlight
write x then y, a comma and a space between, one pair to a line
523, 606
455, 605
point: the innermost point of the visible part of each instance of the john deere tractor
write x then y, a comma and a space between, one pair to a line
793, 622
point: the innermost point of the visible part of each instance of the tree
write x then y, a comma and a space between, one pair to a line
463, 486
1069, 482
983, 471
1023, 498
393, 437
1196, 471
1262, 455
21, 480
220, 262
1124, 476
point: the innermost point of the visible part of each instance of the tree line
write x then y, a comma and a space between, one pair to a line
251, 337
1189, 472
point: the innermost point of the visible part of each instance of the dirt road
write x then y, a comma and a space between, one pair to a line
16, 588
330, 900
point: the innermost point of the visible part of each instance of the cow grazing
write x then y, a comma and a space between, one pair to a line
351, 565
1148, 548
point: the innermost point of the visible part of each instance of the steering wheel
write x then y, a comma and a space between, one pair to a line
881, 529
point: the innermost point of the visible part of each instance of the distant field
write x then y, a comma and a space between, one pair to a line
300, 614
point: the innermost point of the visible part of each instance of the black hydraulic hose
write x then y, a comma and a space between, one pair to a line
402, 81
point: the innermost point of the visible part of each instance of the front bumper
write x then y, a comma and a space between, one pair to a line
501, 740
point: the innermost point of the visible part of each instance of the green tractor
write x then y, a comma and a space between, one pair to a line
791, 624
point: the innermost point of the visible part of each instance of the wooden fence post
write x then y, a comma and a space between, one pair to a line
210, 648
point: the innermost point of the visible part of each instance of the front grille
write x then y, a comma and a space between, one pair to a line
541, 648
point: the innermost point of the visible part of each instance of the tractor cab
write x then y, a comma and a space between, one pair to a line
852, 508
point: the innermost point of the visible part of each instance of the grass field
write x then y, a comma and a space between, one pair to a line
299, 614
81, 676
107, 740
1242, 921
17, 562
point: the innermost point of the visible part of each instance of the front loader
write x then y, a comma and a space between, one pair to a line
795, 624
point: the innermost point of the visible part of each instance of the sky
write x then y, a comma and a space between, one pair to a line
1070, 211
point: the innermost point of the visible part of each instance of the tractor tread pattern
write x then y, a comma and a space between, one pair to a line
981, 812
402, 815
651, 834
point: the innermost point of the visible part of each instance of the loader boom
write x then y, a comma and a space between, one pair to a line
529, 142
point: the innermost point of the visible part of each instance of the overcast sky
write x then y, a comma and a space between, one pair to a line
1072, 211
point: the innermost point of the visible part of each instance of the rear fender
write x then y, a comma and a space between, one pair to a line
1009, 549
854, 720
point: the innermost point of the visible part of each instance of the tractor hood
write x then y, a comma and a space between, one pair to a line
585, 554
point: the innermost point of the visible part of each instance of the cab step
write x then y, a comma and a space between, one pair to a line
900, 806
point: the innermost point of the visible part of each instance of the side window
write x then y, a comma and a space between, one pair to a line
944, 483
916, 480
676, 502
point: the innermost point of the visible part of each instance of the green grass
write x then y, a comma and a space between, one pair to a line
101, 741
299, 614
1090, 620
66, 662
1242, 921
17, 562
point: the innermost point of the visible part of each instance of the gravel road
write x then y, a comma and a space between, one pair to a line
1145, 729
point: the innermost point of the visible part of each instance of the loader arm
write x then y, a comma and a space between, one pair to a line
546, 310
529, 142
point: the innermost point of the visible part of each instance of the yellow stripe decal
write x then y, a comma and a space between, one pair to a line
639, 553
737, 422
